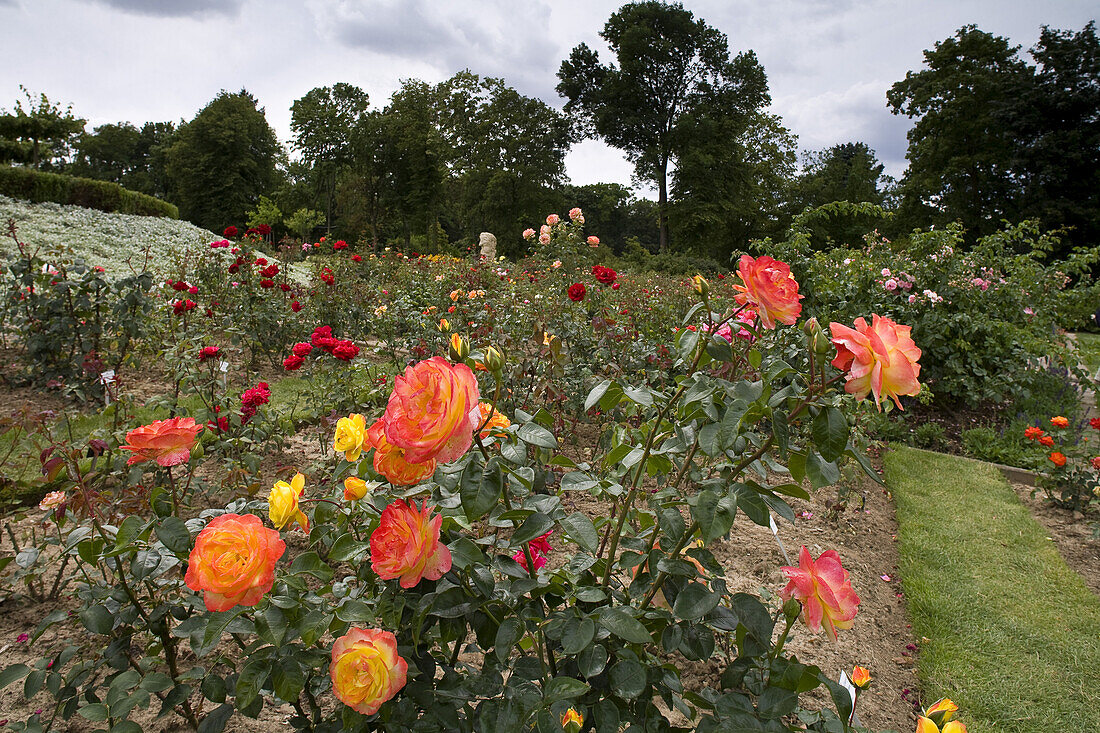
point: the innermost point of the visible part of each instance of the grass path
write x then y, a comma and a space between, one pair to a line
1014, 633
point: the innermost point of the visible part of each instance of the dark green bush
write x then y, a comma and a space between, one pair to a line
38, 186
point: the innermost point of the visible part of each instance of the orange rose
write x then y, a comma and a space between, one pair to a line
391, 462
497, 423
881, 358
233, 561
429, 412
1058, 458
355, 488
168, 442
770, 288
823, 588
366, 669
406, 545
861, 677
1059, 422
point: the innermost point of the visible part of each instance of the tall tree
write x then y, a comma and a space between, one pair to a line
323, 122
414, 154
123, 154
505, 153
669, 64
42, 134
1058, 134
844, 172
222, 161
962, 148
734, 183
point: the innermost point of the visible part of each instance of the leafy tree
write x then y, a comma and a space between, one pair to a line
669, 66
41, 134
222, 161
123, 154
961, 150
734, 184
506, 154
414, 156
1058, 134
360, 193
613, 213
846, 172
303, 221
323, 122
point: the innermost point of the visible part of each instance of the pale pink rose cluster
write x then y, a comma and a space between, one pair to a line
528, 234
981, 283
576, 215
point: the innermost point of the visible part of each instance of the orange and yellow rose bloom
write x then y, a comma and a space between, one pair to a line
351, 436
861, 677
770, 288
927, 725
406, 544
283, 506
431, 412
880, 359
366, 669
355, 488
823, 588
571, 721
498, 423
168, 442
391, 461
1060, 421
233, 561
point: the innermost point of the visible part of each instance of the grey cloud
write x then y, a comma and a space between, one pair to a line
174, 8
497, 38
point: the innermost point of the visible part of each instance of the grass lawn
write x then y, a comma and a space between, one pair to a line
1089, 346
1015, 633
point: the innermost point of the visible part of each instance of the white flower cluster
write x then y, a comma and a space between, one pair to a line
99, 238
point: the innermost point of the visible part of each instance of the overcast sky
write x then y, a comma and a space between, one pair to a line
829, 62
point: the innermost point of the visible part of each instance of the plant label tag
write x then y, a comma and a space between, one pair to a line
775, 533
851, 688
107, 377
223, 366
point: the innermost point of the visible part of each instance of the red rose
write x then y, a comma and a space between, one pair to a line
356, 258
603, 274
267, 284
284, 287
296, 306
230, 231
270, 271
208, 352
577, 292
302, 349
264, 230
340, 244
345, 350
293, 363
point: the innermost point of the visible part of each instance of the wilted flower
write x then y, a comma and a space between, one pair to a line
51, 501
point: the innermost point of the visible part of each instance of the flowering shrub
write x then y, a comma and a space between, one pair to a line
1071, 477
422, 595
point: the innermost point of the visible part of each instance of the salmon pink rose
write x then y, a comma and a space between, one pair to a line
770, 288
406, 544
391, 461
823, 588
168, 442
233, 561
366, 669
431, 412
880, 358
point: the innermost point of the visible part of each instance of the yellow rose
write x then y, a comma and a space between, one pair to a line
282, 503
351, 433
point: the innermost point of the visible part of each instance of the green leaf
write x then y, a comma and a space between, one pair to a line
13, 673
641, 396
592, 661
714, 513
127, 726
563, 688
215, 720
480, 487
97, 619
311, 563
128, 531
695, 601
577, 634
173, 534
287, 679
346, 548
830, 432
580, 529
841, 697
821, 472
596, 394
536, 525
251, 680
623, 625
508, 635
217, 624
535, 434
96, 712
628, 678
776, 702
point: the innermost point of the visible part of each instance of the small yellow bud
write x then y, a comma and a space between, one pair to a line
444, 325
701, 286
460, 347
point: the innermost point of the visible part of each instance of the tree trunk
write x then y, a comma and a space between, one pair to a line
662, 206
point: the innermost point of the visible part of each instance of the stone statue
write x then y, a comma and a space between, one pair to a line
488, 244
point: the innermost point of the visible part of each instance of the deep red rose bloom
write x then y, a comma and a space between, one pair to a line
260, 262
264, 230
356, 258
302, 349
340, 244
603, 274
345, 350
319, 333
270, 271
293, 362
296, 306
267, 284
577, 292
208, 352
230, 231
284, 287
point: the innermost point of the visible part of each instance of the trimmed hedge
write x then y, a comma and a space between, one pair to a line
38, 186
